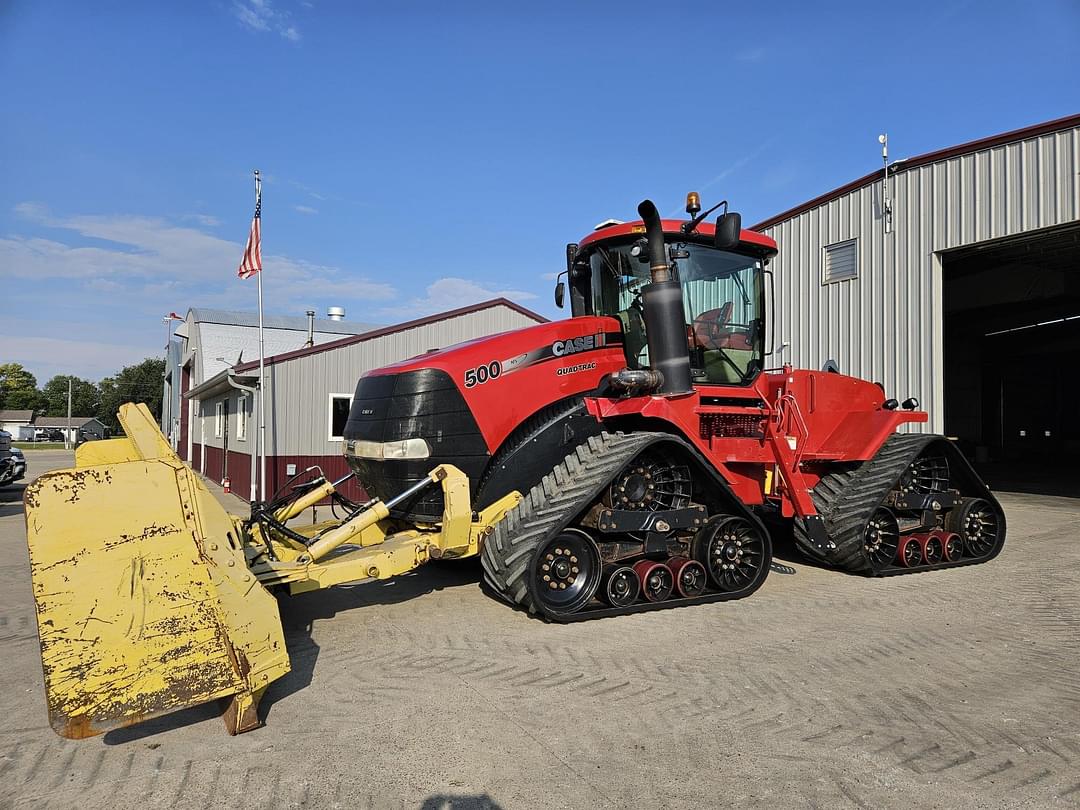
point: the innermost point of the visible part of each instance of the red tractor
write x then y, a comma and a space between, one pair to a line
652, 445
632, 457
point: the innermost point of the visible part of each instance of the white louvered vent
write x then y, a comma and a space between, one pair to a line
841, 261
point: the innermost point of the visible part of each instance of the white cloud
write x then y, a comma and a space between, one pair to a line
449, 293
262, 16
151, 255
205, 220
305, 209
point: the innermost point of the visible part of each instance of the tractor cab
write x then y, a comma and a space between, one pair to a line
723, 291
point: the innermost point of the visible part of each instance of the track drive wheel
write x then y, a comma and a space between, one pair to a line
734, 551
566, 572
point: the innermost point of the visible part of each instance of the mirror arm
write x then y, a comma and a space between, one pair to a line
688, 227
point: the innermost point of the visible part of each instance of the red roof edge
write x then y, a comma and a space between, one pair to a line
1058, 124
390, 330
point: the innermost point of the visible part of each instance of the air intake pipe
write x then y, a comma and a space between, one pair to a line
665, 320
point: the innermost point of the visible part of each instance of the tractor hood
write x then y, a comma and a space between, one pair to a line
458, 405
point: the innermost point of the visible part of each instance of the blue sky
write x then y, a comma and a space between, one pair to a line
421, 156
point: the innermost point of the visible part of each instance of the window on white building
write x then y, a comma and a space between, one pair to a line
219, 419
841, 261
338, 415
241, 417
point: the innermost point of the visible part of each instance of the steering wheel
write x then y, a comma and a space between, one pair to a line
711, 329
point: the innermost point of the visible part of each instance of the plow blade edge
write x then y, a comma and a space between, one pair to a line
145, 603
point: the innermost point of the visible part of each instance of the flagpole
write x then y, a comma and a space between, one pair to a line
261, 445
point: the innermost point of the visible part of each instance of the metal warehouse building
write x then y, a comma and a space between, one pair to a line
957, 283
309, 391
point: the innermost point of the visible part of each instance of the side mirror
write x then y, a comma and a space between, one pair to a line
728, 230
560, 294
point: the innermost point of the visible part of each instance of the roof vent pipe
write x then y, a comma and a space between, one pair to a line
310, 328
336, 313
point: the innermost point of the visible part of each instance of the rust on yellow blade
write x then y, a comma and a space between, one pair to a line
144, 602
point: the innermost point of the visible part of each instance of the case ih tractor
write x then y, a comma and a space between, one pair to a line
632, 457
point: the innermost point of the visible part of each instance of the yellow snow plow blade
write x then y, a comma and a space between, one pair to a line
145, 603
151, 597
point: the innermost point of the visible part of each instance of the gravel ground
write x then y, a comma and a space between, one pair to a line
947, 689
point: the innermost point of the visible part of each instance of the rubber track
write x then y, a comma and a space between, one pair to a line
550, 506
847, 498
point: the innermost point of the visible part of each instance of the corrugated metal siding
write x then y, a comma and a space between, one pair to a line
886, 324
297, 423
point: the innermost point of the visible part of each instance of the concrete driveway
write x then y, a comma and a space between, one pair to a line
947, 689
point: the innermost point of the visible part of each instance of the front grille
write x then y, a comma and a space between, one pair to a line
415, 404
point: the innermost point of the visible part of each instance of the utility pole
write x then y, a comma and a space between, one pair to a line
67, 435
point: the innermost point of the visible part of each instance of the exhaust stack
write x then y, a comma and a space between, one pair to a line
665, 320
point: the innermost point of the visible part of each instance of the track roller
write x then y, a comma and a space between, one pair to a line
954, 546
909, 551
690, 577
621, 586
931, 547
657, 581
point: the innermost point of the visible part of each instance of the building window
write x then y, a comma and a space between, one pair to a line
339, 415
842, 261
241, 418
219, 419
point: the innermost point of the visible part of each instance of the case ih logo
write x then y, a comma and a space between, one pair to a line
561, 348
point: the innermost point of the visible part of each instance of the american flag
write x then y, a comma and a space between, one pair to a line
252, 261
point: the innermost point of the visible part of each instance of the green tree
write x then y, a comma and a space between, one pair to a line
18, 388
85, 396
138, 383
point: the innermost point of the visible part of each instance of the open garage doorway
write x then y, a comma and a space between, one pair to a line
1012, 346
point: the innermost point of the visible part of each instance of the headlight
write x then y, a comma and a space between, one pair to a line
404, 448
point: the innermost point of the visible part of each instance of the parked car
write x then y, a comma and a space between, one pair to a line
56, 435
17, 469
7, 459
86, 436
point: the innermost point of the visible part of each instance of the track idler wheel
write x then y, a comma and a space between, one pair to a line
977, 523
657, 581
733, 551
931, 547
567, 572
621, 586
954, 546
690, 576
909, 551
